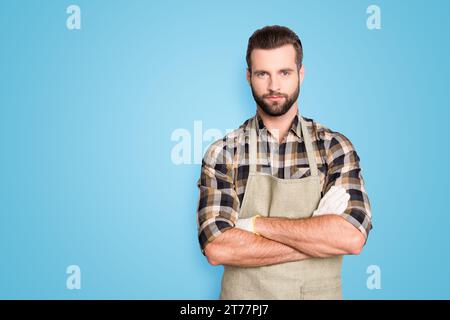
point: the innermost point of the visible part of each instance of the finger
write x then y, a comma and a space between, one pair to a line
341, 208
324, 200
340, 202
330, 192
343, 205
331, 199
337, 195
344, 198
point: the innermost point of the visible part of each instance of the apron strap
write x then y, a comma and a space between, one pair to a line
253, 145
309, 148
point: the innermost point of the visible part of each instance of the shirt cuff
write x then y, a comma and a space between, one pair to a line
211, 231
360, 220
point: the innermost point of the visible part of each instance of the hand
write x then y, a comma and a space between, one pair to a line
335, 201
247, 224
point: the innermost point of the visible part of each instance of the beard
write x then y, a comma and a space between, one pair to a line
276, 108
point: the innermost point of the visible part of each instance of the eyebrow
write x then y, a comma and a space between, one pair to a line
284, 69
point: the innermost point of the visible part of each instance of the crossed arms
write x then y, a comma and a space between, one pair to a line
285, 240
282, 239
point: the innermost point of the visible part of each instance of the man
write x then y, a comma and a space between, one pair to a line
261, 213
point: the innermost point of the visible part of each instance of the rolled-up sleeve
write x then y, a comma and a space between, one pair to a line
218, 203
344, 170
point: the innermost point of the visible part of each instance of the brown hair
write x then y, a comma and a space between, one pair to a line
272, 37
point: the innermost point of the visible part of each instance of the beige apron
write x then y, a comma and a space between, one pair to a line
314, 278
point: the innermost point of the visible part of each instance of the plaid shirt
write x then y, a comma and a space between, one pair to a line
225, 170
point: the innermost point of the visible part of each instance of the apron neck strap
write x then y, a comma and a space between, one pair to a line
253, 146
309, 147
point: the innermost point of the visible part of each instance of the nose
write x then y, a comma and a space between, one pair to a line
274, 84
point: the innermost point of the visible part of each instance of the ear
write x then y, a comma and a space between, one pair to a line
301, 73
248, 76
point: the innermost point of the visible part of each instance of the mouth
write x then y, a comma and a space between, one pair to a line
274, 98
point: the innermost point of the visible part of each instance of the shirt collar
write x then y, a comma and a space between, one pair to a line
295, 126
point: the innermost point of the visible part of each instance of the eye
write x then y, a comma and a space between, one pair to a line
261, 74
285, 73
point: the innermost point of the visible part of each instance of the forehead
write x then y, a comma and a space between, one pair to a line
277, 58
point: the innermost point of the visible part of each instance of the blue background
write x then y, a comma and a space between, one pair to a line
86, 119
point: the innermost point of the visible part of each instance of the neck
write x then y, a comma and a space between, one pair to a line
278, 126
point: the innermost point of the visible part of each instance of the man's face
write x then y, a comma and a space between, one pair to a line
275, 79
